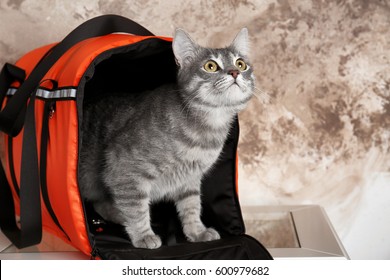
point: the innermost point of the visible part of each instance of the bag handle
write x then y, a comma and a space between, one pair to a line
30, 231
10, 121
30, 205
31, 234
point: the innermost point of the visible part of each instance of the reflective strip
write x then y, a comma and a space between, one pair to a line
57, 94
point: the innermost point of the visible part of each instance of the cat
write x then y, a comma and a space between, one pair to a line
158, 145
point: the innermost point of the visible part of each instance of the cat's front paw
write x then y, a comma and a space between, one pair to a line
208, 234
148, 242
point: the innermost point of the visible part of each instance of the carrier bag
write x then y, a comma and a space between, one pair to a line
42, 98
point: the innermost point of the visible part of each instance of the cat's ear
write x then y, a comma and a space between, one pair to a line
184, 48
241, 42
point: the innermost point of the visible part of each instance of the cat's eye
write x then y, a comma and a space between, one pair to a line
211, 66
241, 65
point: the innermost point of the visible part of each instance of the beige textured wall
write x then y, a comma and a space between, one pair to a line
323, 135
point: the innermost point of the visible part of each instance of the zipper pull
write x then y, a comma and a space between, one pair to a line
52, 109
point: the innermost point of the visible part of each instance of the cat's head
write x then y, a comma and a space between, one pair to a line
220, 77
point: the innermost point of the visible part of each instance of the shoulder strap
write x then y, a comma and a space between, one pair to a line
30, 231
14, 116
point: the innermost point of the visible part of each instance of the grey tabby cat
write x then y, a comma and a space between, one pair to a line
159, 145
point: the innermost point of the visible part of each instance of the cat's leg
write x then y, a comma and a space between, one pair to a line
131, 206
188, 205
137, 222
130, 189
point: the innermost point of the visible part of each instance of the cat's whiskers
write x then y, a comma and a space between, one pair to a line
222, 83
263, 96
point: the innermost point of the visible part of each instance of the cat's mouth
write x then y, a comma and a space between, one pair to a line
234, 83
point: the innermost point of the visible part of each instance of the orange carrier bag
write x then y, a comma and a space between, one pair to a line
42, 99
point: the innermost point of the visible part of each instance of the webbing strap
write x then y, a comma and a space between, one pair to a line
30, 231
14, 116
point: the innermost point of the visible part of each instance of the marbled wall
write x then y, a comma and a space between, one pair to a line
319, 130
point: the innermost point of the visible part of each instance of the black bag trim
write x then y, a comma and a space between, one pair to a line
230, 248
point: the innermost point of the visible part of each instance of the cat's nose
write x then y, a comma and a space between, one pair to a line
234, 73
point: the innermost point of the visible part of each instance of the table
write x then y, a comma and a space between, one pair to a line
301, 231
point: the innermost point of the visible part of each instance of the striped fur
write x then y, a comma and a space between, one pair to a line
159, 144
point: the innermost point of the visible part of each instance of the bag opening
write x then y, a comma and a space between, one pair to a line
131, 70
